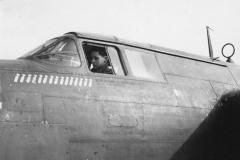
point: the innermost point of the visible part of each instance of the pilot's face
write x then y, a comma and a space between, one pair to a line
98, 61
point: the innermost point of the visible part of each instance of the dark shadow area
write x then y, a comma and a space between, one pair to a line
218, 136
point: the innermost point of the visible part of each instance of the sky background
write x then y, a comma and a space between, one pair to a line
176, 24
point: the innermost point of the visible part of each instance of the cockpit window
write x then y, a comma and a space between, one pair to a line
62, 52
115, 60
103, 59
144, 64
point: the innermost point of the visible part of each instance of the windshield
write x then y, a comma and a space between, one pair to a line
35, 50
62, 52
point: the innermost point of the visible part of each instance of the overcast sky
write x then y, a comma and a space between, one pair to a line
176, 24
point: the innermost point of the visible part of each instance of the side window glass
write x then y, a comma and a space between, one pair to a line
61, 52
103, 59
115, 61
144, 65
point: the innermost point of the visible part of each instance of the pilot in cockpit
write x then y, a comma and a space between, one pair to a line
99, 61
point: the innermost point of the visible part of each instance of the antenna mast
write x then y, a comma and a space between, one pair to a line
209, 43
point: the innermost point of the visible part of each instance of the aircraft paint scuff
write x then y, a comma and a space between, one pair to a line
177, 93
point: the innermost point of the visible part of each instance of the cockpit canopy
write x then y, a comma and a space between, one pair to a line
59, 51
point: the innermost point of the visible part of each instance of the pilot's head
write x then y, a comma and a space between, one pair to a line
99, 58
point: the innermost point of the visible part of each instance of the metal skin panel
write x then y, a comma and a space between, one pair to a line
21, 107
21, 66
74, 86
181, 53
120, 151
122, 120
171, 124
52, 84
157, 93
121, 90
234, 69
194, 69
192, 92
159, 151
84, 118
33, 141
104, 151
92, 120
96, 36
221, 88
122, 131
